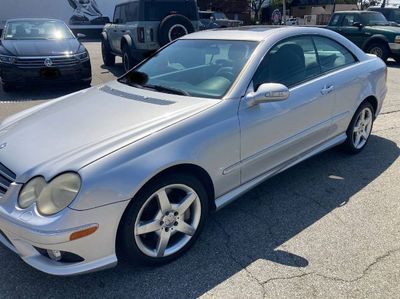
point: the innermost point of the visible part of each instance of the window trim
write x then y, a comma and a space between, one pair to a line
321, 74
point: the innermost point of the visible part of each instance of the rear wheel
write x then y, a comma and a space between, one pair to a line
163, 221
360, 129
379, 49
108, 57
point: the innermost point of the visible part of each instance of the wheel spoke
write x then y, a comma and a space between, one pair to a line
185, 228
365, 134
356, 128
186, 202
162, 243
148, 227
363, 115
357, 139
163, 200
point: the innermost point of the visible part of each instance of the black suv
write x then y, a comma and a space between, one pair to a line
141, 27
392, 14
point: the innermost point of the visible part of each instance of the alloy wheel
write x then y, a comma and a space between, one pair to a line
167, 220
362, 128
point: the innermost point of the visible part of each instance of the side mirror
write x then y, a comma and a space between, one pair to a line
80, 36
267, 93
357, 24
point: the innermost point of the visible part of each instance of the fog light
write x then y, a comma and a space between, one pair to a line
55, 255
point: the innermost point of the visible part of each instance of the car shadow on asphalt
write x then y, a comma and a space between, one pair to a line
250, 229
117, 70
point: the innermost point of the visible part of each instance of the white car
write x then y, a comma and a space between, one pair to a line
130, 169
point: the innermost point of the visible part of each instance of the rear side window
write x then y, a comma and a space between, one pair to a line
158, 10
331, 54
289, 62
132, 11
335, 20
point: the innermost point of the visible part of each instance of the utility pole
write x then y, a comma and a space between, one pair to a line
334, 6
383, 4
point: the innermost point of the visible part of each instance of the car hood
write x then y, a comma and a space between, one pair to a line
75, 130
40, 47
389, 29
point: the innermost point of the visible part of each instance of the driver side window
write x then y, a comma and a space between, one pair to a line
290, 62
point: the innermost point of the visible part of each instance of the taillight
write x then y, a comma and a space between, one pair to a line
140, 34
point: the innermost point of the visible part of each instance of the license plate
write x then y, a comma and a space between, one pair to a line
50, 73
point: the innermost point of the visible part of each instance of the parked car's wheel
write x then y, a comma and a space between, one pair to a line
8, 87
86, 83
127, 58
379, 49
173, 27
108, 57
360, 129
163, 221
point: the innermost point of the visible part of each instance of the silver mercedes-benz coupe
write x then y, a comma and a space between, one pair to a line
130, 169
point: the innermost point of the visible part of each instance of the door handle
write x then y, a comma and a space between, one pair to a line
327, 89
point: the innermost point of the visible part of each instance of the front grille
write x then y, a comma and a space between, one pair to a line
6, 178
40, 62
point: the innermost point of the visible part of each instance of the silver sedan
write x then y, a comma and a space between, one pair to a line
130, 169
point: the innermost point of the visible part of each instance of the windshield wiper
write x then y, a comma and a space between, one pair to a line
163, 88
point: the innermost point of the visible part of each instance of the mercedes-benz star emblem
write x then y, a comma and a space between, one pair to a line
48, 62
3, 145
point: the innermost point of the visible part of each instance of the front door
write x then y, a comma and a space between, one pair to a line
274, 133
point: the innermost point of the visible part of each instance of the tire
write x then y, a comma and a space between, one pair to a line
173, 27
379, 49
8, 87
351, 145
139, 247
108, 57
86, 83
127, 58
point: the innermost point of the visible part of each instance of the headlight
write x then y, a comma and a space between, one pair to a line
52, 197
397, 39
30, 192
7, 59
83, 56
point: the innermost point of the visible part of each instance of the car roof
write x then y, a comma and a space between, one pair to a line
253, 33
356, 11
33, 19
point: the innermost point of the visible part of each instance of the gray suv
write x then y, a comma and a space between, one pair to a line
141, 27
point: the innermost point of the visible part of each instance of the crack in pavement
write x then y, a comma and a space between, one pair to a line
234, 259
389, 112
333, 278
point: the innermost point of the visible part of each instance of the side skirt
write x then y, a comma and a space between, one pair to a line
229, 197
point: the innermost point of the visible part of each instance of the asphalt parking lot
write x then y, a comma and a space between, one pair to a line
327, 228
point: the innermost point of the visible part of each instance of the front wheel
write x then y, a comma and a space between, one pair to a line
360, 129
8, 87
108, 57
163, 221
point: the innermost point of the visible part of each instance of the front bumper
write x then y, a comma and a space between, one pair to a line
395, 48
29, 234
11, 73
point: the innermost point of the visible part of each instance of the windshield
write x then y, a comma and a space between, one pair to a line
395, 16
201, 68
372, 19
36, 29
